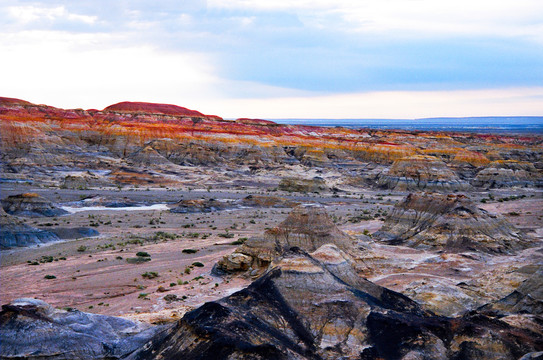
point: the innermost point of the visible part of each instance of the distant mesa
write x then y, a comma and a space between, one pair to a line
449, 222
153, 108
261, 122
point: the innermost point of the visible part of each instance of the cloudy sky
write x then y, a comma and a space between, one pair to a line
279, 58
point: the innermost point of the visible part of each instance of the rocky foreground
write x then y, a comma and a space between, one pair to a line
309, 303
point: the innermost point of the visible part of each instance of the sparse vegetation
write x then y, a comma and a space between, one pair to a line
189, 251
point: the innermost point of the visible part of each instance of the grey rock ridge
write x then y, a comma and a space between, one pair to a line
31, 205
32, 329
508, 173
450, 222
15, 233
314, 306
420, 172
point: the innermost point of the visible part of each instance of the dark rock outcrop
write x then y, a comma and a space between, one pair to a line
31, 205
32, 329
451, 222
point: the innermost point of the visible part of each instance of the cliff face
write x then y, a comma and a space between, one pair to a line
451, 222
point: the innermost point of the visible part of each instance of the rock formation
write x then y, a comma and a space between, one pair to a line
196, 206
419, 172
302, 185
508, 173
313, 306
448, 222
15, 233
526, 299
268, 201
307, 227
32, 329
31, 205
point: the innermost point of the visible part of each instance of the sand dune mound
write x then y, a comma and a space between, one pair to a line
451, 222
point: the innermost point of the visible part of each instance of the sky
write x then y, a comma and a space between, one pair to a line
279, 58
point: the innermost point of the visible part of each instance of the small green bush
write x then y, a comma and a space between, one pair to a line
189, 251
49, 277
143, 254
197, 264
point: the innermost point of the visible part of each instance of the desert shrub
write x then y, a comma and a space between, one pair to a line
226, 235
150, 275
49, 277
197, 264
82, 248
138, 260
143, 254
189, 251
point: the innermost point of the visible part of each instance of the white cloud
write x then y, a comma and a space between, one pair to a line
27, 14
93, 71
410, 17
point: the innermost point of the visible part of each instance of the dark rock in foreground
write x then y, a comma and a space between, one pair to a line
32, 329
315, 307
31, 205
450, 222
